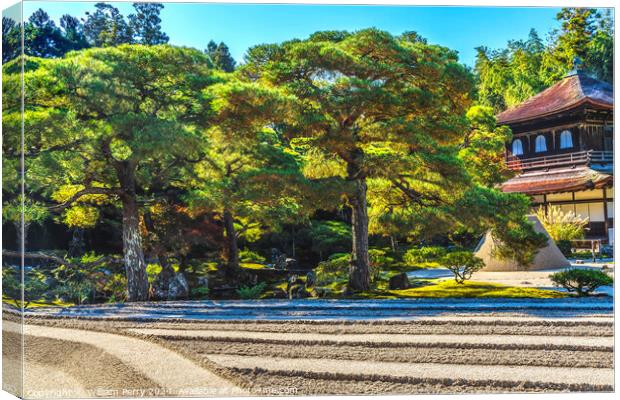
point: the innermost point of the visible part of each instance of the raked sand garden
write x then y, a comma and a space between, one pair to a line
314, 346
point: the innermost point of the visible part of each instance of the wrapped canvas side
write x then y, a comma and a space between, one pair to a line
13, 202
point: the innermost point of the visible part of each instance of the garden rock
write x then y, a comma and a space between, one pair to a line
298, 292
281, 261
310, 279
162, 283
178, 288
400, 281
203, 281
296, 288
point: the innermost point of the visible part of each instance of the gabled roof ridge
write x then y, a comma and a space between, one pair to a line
572, 90
580, 77
536, 96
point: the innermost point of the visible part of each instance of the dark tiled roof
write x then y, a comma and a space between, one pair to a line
570, 92
554, 181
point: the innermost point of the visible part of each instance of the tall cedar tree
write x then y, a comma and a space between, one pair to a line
73, 30
146, 24
507, 77
107, 27
42, 38
114, 125
220, 56
11, 39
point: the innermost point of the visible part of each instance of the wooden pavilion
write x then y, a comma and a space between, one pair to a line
562, 150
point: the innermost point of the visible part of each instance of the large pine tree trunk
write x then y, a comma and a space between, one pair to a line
18, 236
359, 277
232, 251
135, 266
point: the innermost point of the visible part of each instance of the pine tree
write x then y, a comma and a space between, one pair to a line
104, 130
380, 108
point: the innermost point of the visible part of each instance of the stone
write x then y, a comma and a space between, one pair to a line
281, 261
162, 283
203, 281
291, 263
298, 291
310, 279
400, 281
178, 288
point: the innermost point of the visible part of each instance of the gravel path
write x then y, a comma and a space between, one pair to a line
534, 278
55, 384
322, 347
352, 310
388, 338
438, 354
49, 361
165, 368
594, 376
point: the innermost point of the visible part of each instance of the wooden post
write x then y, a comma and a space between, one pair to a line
605, 214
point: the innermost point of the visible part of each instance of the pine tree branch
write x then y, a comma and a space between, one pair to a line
39, 255
84, 192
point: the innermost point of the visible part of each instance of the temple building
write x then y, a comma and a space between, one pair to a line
562, 150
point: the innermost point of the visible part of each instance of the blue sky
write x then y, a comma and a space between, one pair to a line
241, 26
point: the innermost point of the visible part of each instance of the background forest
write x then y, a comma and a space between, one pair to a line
314, 167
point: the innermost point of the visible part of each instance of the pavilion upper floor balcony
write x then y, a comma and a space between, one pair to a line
594, 159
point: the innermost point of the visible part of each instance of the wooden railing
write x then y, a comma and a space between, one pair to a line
558, 160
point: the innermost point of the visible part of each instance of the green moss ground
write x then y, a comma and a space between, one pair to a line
252, 266
449, 288
37, 303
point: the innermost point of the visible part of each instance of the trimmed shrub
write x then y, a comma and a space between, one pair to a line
334, 269
337, 262
34, 285
581, 281
199, 292
379, 260
582, 254
251, 292
424, 254
76, 292
249, 256
462, 264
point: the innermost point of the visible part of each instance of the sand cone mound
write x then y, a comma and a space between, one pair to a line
549, 257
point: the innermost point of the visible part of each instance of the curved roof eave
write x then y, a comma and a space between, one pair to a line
559, 110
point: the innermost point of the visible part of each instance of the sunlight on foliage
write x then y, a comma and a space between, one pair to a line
81, 216
120, 150
560, 224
